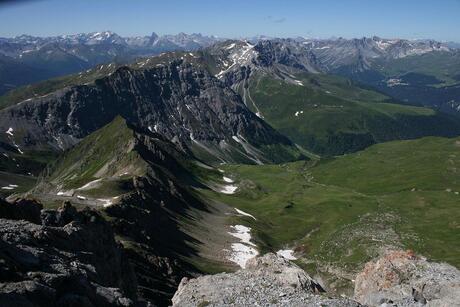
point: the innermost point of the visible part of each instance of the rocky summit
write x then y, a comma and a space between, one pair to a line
400, 278
266, 281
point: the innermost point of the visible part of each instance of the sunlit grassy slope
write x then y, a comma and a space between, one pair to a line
330, 116
344, 211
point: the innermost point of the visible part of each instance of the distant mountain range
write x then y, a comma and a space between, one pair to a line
26, 59
47, 57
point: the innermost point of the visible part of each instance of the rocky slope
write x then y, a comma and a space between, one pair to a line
267, 281
61, 258
404, 279
398, 279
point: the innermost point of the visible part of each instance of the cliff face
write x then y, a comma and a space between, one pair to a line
176, 98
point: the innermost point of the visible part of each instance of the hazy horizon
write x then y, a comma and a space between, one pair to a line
331, 18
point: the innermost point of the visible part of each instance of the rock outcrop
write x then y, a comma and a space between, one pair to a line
267, 281
404, 279
75, 262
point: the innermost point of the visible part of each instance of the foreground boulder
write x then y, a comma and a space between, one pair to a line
267, 281
402, 279
76, 264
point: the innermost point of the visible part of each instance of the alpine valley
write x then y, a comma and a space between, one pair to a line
200, 171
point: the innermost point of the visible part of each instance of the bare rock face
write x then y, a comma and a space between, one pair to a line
267, 281
76, 264
402, 279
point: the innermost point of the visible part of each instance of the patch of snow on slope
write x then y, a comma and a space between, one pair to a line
245, 250
241, 254
89, 185
65, 193
10, 136
287, 254
297, 113
243, 233
10, 187
106, 202
226, 179
229, 189
9, 131
248, 148
242, 56
298, 82
245, 214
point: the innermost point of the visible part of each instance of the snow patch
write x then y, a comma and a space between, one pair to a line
226, 179
242, 253
9, 131
65, 193
10, 187
298, 82
286, 254
106, 202
243, 233
81, 197
229, 189
89, 185
245, 250
245, 214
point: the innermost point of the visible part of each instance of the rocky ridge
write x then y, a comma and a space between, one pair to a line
69, 259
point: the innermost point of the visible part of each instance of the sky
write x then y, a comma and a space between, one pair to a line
412, 19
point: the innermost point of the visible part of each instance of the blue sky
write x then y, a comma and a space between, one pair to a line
438, 19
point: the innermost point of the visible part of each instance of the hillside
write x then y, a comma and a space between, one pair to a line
143, 186
331, 116
429, 79
336, 214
